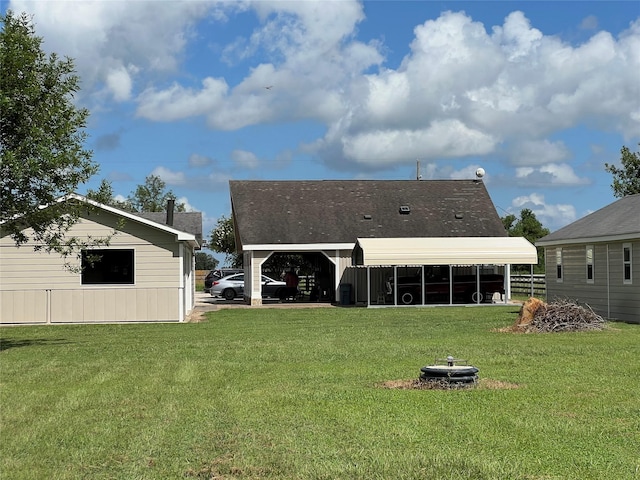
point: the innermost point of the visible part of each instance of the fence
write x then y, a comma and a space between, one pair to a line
521, 284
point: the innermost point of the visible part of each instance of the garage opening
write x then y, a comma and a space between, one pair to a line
315, 272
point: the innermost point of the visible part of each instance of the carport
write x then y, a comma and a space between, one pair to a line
442, 270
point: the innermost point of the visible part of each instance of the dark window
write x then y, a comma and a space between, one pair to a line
107, 267
559, 264
626, 262
589, 260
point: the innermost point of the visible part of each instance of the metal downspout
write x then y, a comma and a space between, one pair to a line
608, 285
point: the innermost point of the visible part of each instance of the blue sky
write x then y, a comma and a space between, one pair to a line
540, 94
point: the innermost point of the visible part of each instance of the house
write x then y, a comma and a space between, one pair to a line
596, 260
145, 274
324, 220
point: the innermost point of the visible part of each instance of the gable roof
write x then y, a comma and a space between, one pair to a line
619, 220
340, 211
180, 235
190, 222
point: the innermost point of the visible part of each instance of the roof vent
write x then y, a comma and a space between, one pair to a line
459, 216
367, 216
405, 210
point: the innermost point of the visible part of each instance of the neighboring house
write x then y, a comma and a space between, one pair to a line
596, 260
145, 274
323, 221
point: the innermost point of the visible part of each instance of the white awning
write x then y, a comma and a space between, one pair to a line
445, 251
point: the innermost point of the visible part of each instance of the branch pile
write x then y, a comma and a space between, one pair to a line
559, 316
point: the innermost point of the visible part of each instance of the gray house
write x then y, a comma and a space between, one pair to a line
596, 260
325, 220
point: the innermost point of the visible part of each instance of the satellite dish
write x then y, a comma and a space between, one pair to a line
480, 172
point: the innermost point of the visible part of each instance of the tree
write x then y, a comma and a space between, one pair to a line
626, 180
42, 157
151, 197
529, 227
104, 195
205, 261
223, 240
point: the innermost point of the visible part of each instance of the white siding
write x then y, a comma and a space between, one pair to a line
36, 288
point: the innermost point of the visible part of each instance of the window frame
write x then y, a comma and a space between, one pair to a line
627, 264
590, 263
90, 276
559, 266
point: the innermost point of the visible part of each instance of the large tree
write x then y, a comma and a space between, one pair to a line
42, 157
152, 196
223, 240
626, 180
104, 195
529, 227
206, 261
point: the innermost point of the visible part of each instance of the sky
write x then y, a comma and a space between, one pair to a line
540, 94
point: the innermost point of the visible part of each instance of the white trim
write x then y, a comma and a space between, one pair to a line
181, 287
559, 264
181, 236
592, 248
298, 247
582, 240
627, 281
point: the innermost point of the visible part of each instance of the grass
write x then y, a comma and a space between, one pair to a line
297, 394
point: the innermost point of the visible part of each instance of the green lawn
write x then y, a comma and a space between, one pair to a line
297, 394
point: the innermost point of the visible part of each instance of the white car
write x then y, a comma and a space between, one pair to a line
232, 286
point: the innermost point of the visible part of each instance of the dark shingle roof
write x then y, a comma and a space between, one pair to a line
339, 211
620, 218
190, 222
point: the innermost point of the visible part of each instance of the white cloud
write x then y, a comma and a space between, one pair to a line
550, 215
589, 23
170, 177
464, 88
244, 159
550, 175
538, 152
196, 160
119, 83
176, 102
187, 206
214, 180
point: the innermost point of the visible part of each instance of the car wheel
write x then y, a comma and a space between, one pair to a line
407, 298
475, 296
229, 294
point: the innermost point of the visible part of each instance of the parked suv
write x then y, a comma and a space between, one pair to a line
217, 274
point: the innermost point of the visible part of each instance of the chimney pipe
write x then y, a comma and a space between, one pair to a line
170, 205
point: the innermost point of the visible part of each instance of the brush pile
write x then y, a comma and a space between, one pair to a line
559, 316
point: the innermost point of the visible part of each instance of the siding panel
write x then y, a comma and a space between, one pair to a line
608, 295
23, 306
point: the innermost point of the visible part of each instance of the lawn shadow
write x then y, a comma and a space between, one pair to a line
7, 343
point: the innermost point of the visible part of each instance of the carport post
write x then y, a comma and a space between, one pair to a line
532, 279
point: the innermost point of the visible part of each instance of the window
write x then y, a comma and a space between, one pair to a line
626, 263
107, 267
559, 264
589, 261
